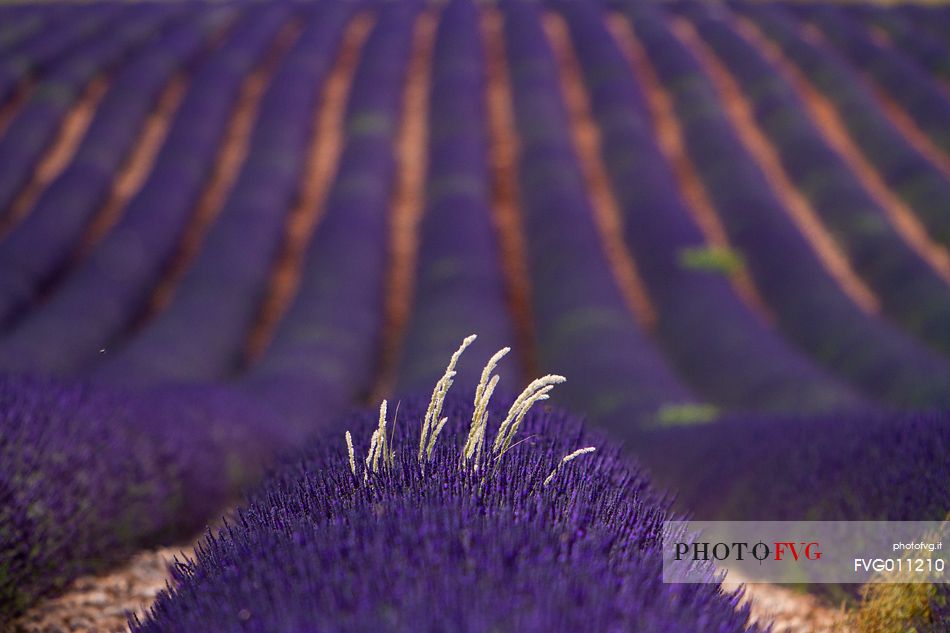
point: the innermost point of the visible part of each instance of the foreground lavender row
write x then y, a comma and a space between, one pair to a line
159, 353
438, 545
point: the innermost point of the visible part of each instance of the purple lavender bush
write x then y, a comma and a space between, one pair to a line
884, 467
89, 474
458, 532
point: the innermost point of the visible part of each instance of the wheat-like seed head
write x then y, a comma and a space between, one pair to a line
534, 392
349, 450
474, 445
434, 436
381, 448
566, 459
483, 394
434, 411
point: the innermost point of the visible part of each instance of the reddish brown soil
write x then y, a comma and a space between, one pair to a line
790, 611
798, 206
59, 153
227, 166
131, 176
506, 215
99, 604
325, 150
607, 213
408, 202
833, 128
670, 137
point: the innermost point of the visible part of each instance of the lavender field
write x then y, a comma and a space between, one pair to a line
242, 242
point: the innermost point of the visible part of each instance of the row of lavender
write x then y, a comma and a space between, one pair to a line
909, 291
459, 286
576, 302
323, 353
856, 465
808, 304
198, 336
704, 325
89, 473
917, 301
849, 466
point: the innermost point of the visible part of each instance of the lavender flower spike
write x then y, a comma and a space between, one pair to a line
438, 393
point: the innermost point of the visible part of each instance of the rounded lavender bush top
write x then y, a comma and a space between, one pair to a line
515, 540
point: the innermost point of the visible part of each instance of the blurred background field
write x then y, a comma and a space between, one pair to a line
225, 224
